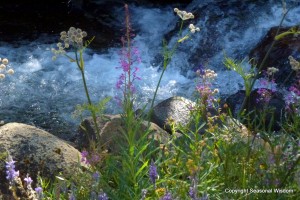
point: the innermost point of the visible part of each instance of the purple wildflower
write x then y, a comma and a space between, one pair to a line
95, 158
192, 193
167, 196
39, 192
72, 197
96, 176
102, 196
11, 173
153, 172
28, 181
264, 96
129, 56
84, 155
200, 71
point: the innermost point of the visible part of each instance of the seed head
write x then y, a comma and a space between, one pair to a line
294, 63
5, 61
271, 71
183, 14
10, 71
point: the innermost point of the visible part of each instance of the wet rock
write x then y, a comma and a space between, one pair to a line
35, 151
278, 57
274, 109
175, 109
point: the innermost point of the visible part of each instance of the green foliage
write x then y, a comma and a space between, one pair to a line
238, 67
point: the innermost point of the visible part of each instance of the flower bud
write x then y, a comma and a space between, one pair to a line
2, 66
10, 71
5, 61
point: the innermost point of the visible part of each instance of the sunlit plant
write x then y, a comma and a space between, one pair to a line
73, 40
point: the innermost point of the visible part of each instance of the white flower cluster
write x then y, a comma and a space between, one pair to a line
272, 70
294, 63
183, 14
209, 74
3, 66
74, 37
193, 29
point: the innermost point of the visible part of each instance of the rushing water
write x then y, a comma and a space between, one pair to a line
45, 92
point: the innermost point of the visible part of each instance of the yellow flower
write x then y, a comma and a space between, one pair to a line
160, 191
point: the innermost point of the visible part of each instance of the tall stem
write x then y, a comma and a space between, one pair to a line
167, 59
262, 64
81, 68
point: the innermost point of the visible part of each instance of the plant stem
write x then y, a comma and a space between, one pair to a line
262, 65
81, 68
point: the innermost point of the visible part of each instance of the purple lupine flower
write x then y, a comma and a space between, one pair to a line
167, 196
96, 176
192, 193
84, 155
95, 158
153, 172
11, 173
102, 196
72, 197
39, 192
28, 181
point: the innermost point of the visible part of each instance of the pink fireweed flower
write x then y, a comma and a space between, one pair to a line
129, 58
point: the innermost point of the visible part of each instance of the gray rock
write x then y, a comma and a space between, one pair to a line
175, 109
36, 151
112, 135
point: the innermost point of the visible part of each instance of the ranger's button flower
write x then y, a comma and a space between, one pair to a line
183, 14
3, 68
272, 70
294, 63
193, 28
73, 37
10, 71
5, 61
